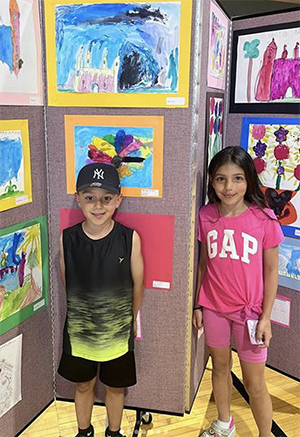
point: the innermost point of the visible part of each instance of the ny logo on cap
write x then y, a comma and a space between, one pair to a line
98, 173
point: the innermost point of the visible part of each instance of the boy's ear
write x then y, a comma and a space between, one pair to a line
120, 198
76, 195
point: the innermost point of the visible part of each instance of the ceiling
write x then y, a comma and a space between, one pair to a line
237, 9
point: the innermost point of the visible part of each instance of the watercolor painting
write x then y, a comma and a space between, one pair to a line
217, 47
265, 68
289, 264
274, 144
133, 144
20, 53
15, 173
23, 272
118, 53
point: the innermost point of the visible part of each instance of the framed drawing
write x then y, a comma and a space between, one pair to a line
23, 272
265, 70
20, 53
289, 264
273, 144
133, 144
119, 54
214, 128
15, 174
217, 47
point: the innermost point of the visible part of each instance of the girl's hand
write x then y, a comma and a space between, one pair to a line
135, 328
264, 332
198, 319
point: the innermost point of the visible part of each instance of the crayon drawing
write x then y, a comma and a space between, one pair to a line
217, 51
266, 67
20, 53
132, 144
273, 144
15, 175
23, 272
104, 50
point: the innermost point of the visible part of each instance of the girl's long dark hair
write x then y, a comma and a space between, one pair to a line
238, 156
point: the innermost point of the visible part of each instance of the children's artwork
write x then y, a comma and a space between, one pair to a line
133, 144
10, 374
217, 47
157, 237
23, 272
20, 53
110, 53
289, 263
273, 144
265, 69
15, 174
214, 127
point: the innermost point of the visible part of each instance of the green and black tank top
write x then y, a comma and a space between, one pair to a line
99, 322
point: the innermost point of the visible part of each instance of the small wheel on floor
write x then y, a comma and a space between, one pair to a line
147, 419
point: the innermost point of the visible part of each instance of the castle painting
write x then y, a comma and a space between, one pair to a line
268, 67
110, 49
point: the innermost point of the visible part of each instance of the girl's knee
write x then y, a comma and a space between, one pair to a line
255, 388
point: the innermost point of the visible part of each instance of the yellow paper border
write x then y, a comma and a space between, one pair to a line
155, 122
56, 98
21, 125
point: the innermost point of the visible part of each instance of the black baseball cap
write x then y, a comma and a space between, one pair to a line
98, 175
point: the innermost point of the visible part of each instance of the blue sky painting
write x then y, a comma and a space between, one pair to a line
117, 47
11, 161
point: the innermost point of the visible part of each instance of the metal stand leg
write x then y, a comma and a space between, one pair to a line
142, 417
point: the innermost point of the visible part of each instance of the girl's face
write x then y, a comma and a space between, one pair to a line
230, 185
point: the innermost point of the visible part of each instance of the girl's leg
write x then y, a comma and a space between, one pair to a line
260, 401
84, 401
114, 402
221, 380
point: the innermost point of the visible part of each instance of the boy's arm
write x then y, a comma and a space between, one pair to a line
62, 259
270, 268
137, 271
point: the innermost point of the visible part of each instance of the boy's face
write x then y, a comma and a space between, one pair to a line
98, 205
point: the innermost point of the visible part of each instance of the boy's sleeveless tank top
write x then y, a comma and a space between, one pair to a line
99, 321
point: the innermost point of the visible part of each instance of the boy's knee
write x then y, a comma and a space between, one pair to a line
114, 390
84, 387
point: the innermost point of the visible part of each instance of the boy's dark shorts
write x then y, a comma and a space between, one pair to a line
119, 372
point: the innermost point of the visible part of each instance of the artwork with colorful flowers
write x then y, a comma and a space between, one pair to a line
274, 145
134, 145
215, 131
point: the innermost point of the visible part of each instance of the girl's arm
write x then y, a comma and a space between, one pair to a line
270, 267
197, 315
62, 259
137, 272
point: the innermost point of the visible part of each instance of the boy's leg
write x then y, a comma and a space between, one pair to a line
260, 401
114, 402
84, 401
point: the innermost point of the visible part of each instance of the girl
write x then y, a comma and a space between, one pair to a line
237, 281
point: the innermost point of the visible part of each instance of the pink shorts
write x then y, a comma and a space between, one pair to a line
218, 330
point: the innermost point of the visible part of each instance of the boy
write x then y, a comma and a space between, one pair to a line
102, 269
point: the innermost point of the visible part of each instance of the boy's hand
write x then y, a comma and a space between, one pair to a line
134, 328
264, 332
198, 319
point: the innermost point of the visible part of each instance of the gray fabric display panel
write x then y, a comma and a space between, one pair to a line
285, 344
37, 350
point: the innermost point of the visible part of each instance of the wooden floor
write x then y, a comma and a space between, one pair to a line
59, 419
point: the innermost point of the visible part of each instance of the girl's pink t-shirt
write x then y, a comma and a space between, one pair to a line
234, 273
